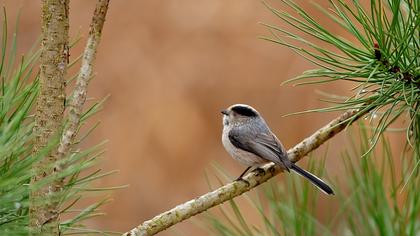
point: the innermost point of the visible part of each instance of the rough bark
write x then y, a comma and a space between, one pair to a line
234, 189
44, 212
78, 97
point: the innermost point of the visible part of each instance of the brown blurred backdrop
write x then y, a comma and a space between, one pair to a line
170, 67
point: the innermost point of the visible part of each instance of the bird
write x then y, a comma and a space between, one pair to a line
248, 139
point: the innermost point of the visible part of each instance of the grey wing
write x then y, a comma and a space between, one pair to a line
264, 145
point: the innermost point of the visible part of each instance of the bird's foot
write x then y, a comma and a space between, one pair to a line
260, 171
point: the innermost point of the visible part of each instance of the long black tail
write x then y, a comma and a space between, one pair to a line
315, 180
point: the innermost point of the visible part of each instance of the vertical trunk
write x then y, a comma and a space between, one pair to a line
44, 211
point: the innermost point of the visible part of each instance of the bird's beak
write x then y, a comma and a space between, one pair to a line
225, 112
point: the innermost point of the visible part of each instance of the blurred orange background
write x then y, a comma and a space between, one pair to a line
170, 67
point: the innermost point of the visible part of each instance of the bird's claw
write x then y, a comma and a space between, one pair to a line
259, 171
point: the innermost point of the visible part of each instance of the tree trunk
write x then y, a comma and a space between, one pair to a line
44, 203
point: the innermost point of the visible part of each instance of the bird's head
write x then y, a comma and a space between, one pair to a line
239, 114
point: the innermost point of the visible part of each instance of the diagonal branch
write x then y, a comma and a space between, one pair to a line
78, 98
253, 179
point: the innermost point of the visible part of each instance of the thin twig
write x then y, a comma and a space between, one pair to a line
253, 179
78, 98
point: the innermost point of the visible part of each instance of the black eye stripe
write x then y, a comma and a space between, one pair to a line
244, 111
